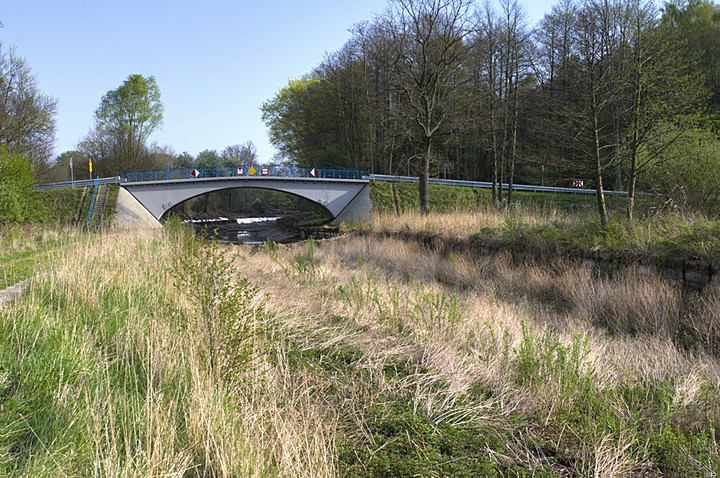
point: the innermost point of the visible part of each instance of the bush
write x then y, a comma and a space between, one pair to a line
688, 174
16, 183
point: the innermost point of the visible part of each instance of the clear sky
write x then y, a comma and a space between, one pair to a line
215, 61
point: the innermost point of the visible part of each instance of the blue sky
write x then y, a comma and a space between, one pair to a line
215, 61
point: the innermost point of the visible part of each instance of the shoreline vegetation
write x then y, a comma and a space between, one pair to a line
150, 353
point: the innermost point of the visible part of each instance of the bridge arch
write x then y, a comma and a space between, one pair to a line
346, 199
247, 203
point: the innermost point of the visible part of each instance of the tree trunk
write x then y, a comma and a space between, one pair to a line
602, 209
631, 196
424, 181
495, 192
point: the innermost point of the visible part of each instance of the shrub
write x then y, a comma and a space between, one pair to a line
16, 182
231, 307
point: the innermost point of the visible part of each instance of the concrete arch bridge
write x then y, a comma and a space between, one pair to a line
347, 200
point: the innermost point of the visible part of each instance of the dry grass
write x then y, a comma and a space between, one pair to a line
479, 343
628, 325
463, 223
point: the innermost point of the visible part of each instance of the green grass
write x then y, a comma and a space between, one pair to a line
105, 369
17, 267
56, 206
453, 198
25, 248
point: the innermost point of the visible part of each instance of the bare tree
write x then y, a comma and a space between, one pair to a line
240, 154
27, 117
517, 62
486, 55
427, 40
584, 106
98, 148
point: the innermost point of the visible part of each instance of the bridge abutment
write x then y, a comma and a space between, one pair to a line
358, 210
131, 214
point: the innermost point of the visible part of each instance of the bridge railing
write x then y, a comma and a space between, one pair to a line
488, 185
248, 171
79, 183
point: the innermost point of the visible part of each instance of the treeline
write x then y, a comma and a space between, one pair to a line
614, 93
119, 139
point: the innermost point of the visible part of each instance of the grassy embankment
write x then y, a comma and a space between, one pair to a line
357, 357
466, 366
555, 223
23, 249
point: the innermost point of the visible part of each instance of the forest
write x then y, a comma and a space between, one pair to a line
610, 95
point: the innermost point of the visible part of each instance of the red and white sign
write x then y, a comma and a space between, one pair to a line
239, 172
264, 171
314, 172
195, 173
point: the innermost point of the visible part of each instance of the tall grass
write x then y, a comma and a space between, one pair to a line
667, 237
356, 357
24, 250
557, 370
104, 371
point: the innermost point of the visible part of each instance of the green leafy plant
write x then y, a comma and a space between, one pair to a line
545, 359
233, 313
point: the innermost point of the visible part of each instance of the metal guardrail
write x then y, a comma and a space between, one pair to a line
79, 184
488, 185
294, 172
